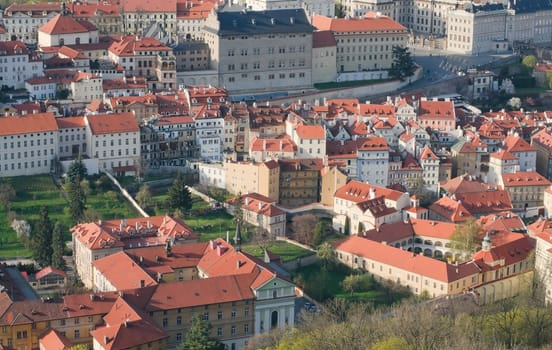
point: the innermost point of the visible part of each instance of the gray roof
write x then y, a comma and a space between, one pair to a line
261, 22
526, 6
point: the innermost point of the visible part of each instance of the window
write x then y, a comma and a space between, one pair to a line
165, 322
246, 328
219, 315
178, 337
205, 316
233, 315
77, 333
219, 332
179, 320
233, 330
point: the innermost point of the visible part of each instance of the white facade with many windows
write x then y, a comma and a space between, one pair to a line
209, 137
28, 144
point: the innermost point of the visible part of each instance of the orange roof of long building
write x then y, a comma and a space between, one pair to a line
29, 123
112, 123
343, 25
63, 24
404, 260
357, 191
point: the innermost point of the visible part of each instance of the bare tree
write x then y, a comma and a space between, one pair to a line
303, 227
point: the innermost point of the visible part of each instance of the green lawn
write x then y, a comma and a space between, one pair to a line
323, 285
34, 192
286, 251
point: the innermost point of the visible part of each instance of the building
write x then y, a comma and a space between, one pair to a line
18, 64
299, 181
65, 30
114, 140
262, 212
167, 141
430, 169
105, 16
21, 21
542, 143
28, 144
311, 7
522, 150
541, 230
502, 162
373, 161
251, 49
262, 178
333, 177
154, 19
470, 156
191, 56
324, 55
48, 279
212, 174
478, 29
146, 57
95, 240
437, 115
360, 206
526, 190
492, 273
364, 44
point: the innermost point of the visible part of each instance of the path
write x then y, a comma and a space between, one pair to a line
127, 195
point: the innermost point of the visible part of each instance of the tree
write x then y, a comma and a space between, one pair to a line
143, 197
321, 231
77, 171
391, 343
403, 64
198, 337
77, 200
23, 230
529, 61
357, 283
79, 347
58, 246
302, 227
465, 238
514, 103
7, 194
179, 194
326, 256
238, 209
42, 238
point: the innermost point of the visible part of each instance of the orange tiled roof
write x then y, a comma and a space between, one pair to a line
122, 272
505, 254
29, 123
273, 145
323, 38
524, 178
514, 143
427, 153
10, 48
436, 110
356, 192
48, 270
450, 209
342, 25
63, 24
54, 340
310, 131
404, 260
148, 6
374, 143
503, 155
112, 123
130, 45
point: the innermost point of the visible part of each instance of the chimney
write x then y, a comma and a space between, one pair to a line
372, 193
142, 285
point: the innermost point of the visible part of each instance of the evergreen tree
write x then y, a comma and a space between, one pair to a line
57, 246
238, 209
42, 239
179, 194
77, 200
77, 171
198, 337
403, 64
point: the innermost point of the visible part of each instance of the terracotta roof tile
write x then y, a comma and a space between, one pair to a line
122, 272
63, 24
373, 24
402, 259
112, 123
30, 123
48, 270
54, 340
323, 38
524, 178
356, 192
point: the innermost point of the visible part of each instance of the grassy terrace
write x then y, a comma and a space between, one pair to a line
286, 251
34, 192
313, 277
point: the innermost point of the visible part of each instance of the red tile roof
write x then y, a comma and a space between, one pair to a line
54, 340
131, 45
436, 110
342, 25
148, 6
26, 124
207, 291
356, 192
484, 202
514, 143
373, 144
427, 153
310, 132
259, 204
516, 249
503, 155
463, 184
404, 260
376, 207
182, 255
524, 178
112, 123
49, 270
122, 272
64, 24
450, 210
284, 144
323, 38
10, 48
70, 122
